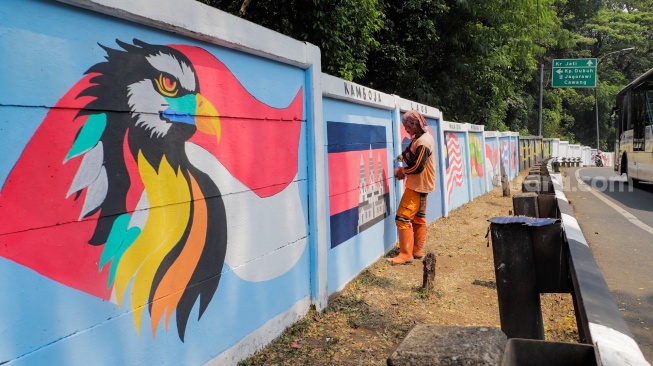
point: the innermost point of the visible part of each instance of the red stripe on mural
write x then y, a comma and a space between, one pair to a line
259, 143
45, 233
345, 176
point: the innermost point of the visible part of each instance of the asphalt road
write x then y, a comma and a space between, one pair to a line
617, 221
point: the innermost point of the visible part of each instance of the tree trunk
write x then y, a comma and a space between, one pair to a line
505, 183
429, 272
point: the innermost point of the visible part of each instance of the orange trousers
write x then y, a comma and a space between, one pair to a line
411, 226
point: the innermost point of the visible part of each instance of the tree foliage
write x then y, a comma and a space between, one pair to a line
477, 61
343, 29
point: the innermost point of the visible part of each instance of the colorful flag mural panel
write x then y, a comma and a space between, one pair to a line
453, 163
358, 178
492, 161
475, 156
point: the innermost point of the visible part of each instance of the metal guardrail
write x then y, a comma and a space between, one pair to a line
545, 251
599, 320
570, 162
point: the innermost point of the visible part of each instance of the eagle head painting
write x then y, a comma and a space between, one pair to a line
121, 212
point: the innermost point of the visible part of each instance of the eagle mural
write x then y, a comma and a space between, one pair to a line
124, 212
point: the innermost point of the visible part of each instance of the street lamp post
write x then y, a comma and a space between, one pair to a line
596, 95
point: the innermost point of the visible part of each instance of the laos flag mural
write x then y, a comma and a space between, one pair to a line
358, 178
128, 206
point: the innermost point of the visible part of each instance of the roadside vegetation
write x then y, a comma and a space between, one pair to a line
477, 61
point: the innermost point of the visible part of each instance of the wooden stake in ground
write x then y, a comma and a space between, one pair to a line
428, 282
505, 183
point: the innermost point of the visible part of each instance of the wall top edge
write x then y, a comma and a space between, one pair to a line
491, 133
406, 105
475, 128
337, 88
197, 20
454, 126
509, 134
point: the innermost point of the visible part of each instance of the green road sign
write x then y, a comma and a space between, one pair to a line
574, 73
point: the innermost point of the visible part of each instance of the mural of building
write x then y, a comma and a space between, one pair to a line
372, 206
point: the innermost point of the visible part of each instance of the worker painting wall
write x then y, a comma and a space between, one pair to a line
153, 192
435, 207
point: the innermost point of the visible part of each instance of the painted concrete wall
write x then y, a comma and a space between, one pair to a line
154, 191
455, 147
607, 157
555, 144
512, 153
563, 149
586, 154
492, 158
178, 185
476, 150
505, 153
360, 126
532, 149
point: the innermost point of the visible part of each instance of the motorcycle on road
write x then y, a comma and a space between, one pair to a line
598, 160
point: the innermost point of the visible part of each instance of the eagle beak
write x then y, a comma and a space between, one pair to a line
207, 119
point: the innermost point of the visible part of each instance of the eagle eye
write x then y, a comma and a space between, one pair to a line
167, 86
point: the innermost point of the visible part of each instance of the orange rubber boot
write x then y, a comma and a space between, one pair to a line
405, 247
419, 238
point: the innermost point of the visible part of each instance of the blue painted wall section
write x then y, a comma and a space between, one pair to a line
360, 174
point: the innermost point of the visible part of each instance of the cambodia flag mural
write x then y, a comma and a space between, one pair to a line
358, 178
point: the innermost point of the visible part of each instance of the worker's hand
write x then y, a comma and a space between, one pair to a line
400, 158
399, 173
